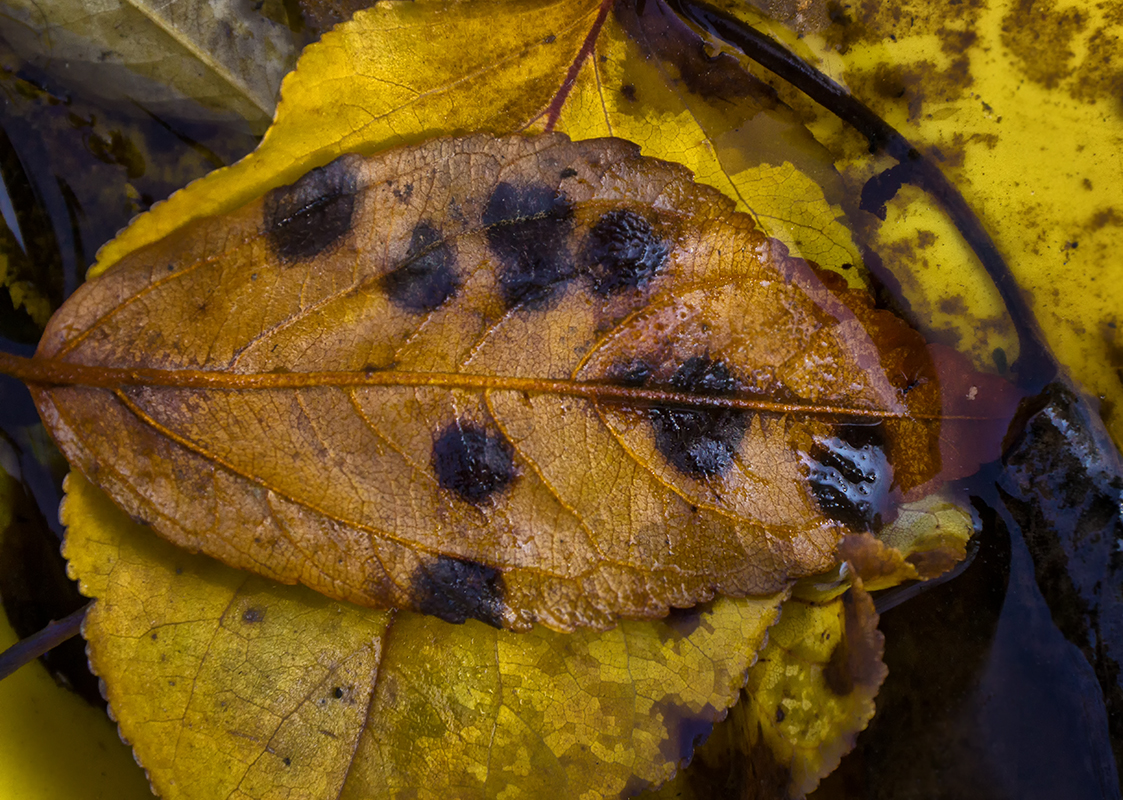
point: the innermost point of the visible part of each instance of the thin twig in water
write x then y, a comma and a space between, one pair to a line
27, 650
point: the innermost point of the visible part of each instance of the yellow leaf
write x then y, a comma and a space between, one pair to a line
927, 539
1011, 100
231, 686
361, 97
807, 697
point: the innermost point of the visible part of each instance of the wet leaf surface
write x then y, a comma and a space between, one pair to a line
968, 86
1063, 487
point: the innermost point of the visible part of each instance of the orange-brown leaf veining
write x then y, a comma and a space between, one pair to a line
522, 265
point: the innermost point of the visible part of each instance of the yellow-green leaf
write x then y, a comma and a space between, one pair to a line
231, 686
1015, 103
807, 698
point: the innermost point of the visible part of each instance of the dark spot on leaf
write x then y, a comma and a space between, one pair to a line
700, 441
883, 187
402, 195
569, 172
473, 463
631, 373
253, 614
286, 761
456, 590
862, 434
850, 476
663, 36
623, 252
629, 92
427, 277
337, 693
1000, 363
313, 214
528, 228
780, 715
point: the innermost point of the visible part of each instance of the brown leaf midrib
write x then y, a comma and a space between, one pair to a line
55, 372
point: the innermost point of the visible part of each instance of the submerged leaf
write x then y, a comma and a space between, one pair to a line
514, 380
231, 686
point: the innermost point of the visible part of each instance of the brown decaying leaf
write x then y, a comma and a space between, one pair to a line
485, 378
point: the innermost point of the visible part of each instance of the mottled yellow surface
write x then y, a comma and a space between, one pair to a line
231, 686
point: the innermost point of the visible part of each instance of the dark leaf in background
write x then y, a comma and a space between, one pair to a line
1063, 486
35, 590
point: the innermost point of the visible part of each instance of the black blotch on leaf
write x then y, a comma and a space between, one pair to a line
623, 252
312, 215
700, 441
253, 614
634, 373
863, 434
473, 463
569, 172
529, 228
402, 195
456, 590
850, 476
427, 277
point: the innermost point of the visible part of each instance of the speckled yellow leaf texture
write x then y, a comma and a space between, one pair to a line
231, 686
1019, 104
808, 696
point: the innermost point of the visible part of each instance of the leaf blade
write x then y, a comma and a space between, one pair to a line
304, 482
